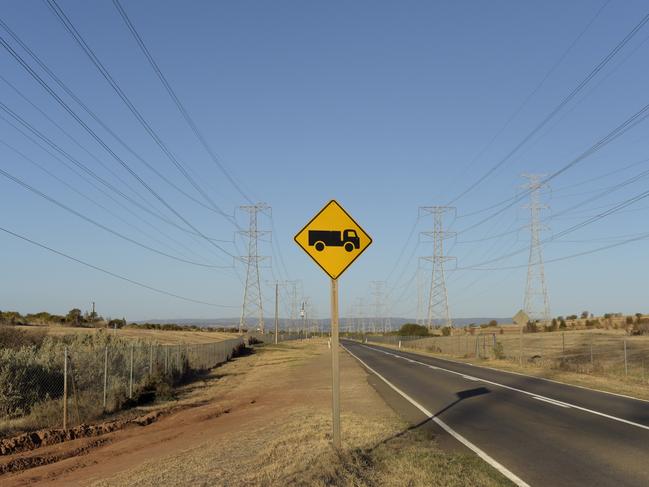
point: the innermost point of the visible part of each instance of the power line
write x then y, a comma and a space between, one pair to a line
95, 117
99, 225
617, 132
560, 106
85, 168
534, 91
110, 273
75, 190
101, 142
176, 100
147, 127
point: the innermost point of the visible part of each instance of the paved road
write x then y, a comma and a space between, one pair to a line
544, 433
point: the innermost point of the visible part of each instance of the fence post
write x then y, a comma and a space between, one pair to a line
592, 363
563, 343
626, 365
399, 344
520, 348
105, 373
130, 380
151, 360
65, 388
477, 346
166, 359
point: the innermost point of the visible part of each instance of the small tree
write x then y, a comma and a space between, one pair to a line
531, 327
562, 323
411, 329
74, 316
493, 323
585, 314
555, 325
446, 331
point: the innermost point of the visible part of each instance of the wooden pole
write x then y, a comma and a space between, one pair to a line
335, 366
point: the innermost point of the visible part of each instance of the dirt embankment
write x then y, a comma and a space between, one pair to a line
258, 420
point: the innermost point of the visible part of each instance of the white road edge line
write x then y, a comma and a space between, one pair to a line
444, 359
575, 406
501, 468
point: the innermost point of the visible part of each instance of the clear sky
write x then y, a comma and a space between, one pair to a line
384, 106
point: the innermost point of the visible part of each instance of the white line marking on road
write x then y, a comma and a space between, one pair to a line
575, 406
474, 379
501, 468
444, 359
551, 401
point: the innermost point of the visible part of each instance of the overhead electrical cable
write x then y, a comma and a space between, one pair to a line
46, 197
73, 189
136, 113
618, 47
103, 144
181, 108
113, 274
92, 174
617, 132
536, 89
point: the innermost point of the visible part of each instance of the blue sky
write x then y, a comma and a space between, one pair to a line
384, 106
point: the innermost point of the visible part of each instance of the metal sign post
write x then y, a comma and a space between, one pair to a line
335, 366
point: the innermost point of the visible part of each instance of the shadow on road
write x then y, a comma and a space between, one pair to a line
461, 396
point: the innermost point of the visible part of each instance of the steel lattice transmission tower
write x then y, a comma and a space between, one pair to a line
253, 303
438, 311
536, 305
378, 290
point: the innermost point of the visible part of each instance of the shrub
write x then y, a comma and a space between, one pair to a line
25, 379
446, 331
15, 338
411, 329
499, 351
531, 327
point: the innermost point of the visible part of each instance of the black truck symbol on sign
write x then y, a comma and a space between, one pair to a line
334, 238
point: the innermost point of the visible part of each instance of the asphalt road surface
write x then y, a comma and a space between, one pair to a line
537, 432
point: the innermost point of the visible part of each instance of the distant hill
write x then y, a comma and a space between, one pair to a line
324, 323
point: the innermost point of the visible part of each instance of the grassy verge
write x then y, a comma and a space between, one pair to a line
278, 432
615, 384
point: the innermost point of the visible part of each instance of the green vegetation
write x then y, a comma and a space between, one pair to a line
411, 329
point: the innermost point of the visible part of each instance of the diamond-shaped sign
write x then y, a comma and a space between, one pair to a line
333, 239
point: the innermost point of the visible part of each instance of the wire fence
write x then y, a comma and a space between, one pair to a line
63, 385
604, 353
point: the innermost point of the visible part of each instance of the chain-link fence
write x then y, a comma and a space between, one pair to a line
59, 385
605, 353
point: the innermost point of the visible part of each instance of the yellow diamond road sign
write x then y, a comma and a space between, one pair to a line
333, 239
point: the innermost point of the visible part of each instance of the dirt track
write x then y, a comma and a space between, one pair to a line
236, 426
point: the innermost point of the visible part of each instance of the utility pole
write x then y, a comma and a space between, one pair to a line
438, 297
253, 306
276, 312
303, 316
536, 303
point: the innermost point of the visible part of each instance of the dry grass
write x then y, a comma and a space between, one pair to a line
286, 441
163, 337
562, 356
